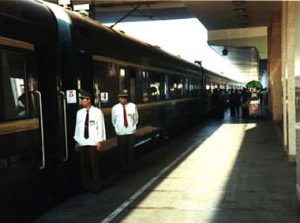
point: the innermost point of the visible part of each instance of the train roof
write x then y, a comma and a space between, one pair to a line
190, 67
115, 44
29, 21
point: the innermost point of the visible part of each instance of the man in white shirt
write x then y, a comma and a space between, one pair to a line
124, 117
89, 133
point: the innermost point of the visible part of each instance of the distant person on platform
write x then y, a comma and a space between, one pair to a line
89, 133
231, 103
125, 119
245, 98
217, 101
236, 102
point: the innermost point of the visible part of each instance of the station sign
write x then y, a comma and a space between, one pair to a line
71, 96
104, 96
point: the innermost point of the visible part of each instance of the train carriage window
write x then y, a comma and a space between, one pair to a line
166, 87
105, 83
194, 87
132, 75
142, 87
155, 86
97, 94
187, 85
163, 88
13, 88
122, 79
175, 86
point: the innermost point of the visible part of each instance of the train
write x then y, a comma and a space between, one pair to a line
48, 54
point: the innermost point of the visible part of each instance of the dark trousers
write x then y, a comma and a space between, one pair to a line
237, 110
126, 152
234, 110
90, 167
245, 112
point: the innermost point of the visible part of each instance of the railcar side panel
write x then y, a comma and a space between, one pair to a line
47, 54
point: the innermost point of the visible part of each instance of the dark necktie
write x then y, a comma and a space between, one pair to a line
86, 125
125, 117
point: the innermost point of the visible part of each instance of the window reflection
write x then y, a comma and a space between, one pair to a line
155, 87
176, 87
13, 88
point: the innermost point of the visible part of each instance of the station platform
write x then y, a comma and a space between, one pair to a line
226, 171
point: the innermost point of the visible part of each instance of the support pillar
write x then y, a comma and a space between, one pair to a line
297, 91
284, 73
290, 68
274, 68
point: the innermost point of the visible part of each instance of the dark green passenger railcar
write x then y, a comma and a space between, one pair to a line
46, 55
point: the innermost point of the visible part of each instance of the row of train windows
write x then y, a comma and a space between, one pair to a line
143, 86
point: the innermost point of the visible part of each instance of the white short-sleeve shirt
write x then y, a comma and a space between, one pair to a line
117, 118
97, 131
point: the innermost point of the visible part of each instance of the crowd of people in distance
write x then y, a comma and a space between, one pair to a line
237, 100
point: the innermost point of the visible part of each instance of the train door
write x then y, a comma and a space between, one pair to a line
22, 154
57, 83
73, 76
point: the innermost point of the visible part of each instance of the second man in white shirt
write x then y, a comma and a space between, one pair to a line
125, 119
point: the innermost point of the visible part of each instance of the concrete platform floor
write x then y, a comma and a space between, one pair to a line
226, 172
